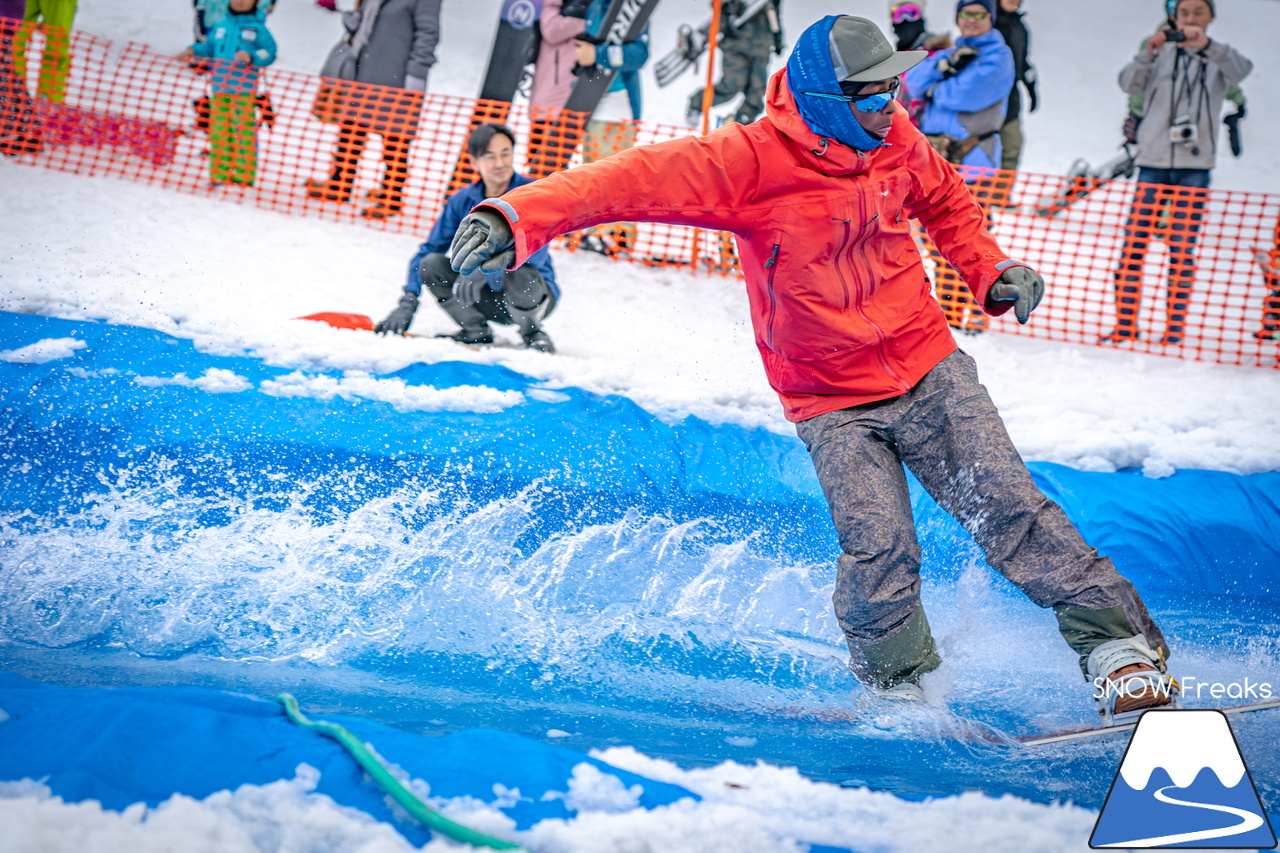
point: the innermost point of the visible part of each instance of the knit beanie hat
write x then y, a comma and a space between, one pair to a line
1174, 12
989, 5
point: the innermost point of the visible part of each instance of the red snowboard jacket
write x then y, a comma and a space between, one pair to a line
842, 309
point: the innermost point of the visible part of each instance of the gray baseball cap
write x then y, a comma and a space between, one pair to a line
861, 53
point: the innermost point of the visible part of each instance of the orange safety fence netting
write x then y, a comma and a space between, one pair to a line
1175, 271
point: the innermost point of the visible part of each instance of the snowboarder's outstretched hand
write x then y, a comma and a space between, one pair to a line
483, 241
1022, 286
397, 322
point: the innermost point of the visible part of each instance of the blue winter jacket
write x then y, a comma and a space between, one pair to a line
441, 237
986, 80
232, 34
628, 57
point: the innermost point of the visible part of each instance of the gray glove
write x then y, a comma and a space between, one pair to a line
483, 241
1022, 286
467, 289
957, 60
397, 322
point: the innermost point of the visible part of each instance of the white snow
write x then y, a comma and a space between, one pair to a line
756, 809
231, 278
49, 349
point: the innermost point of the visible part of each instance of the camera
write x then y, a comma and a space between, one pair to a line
1182, 130
1171, 34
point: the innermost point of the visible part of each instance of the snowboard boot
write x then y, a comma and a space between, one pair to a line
526, 319
893, 668
473, 336
1129, 678
1121, 333
906, 691
330, 190
475, 327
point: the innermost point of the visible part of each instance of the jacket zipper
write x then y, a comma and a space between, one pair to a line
772, 266
861, 245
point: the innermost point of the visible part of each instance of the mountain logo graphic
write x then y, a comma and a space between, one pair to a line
1183, 783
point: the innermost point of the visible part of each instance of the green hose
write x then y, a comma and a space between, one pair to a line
373, 765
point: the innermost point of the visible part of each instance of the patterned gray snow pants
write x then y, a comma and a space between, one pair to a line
948, 433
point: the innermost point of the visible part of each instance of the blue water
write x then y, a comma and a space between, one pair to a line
568, 564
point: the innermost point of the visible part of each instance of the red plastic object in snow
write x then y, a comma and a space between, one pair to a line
342, 321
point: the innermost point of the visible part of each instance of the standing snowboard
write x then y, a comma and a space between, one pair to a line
514, 47
553, 140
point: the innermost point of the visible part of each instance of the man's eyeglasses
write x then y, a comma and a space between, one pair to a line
972, 16
876, 103
906, 12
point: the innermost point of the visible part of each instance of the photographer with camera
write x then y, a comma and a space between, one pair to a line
1183, 76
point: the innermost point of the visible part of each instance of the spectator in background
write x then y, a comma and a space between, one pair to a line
965, 90
1183, 77
612, 127
209, 13
1137, 100
236, 48
522, 297
19, 126
912, 33
56, 18
561, 23
1013, 28
744, 61
389, 43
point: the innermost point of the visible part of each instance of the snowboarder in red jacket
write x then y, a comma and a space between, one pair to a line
819, 195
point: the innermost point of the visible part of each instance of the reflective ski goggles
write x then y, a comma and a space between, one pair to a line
906, 12
972, 16
876, 103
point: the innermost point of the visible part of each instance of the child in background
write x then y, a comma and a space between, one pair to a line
236, 47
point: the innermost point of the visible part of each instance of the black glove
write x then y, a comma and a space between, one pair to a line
955, 63
1022, 286
1130, 128
1029, 80
483, 241
1233, 130
397, 322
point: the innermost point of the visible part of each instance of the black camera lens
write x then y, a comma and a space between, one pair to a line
1175, 35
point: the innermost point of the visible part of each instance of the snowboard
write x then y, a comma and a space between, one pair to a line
364, 323
624, 21
1081, 180
1097, 731
514, 46
691, 43
553, 138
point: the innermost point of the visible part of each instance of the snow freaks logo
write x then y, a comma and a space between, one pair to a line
1183, 783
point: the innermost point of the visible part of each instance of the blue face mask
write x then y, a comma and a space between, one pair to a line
811, 77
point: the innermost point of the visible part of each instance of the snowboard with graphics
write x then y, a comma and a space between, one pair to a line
554, 135
514, 47
625, 21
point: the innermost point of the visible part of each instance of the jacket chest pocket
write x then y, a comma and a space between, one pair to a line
886, 198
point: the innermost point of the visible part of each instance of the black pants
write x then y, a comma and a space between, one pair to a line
524, 300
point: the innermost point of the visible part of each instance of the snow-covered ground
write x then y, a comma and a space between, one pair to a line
232, 278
